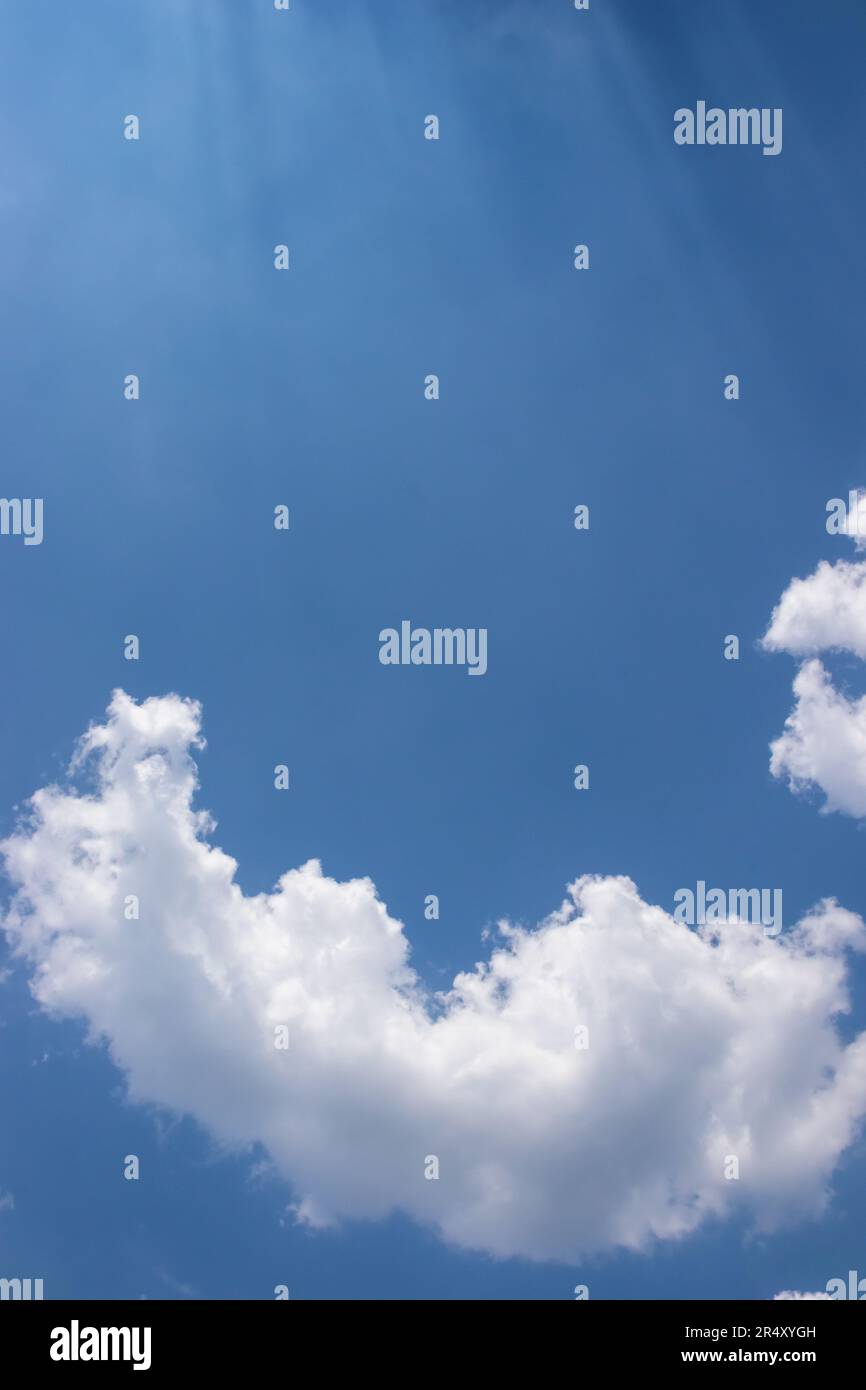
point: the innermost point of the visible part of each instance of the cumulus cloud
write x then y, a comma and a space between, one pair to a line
808, 1297
823, 744
824, 612
701, 1044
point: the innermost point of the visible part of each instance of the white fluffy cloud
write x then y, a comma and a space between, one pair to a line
824, 612
823, 744
700, 1047
806, 1297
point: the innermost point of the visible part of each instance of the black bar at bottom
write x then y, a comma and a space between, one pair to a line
157, 1339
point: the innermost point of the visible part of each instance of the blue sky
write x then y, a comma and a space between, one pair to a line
306, 388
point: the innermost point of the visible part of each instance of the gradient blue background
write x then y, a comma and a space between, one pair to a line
306, 388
